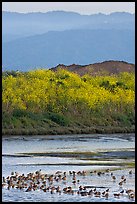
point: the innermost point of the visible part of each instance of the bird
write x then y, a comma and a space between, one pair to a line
97, 194
131, 196
65, 189
99, 173
38, 181
64, 173
64, 178
94, 189
3, 179
58, 172
116, 195
84, 173
130, 172
90, 192
114, 178
106, 195
103, 193
80, 188
74, 182
129, 191
74, 178
3, 185
124, 180
120, 183
70, 173
122, 191
84, 193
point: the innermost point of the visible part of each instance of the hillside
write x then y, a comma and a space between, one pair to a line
68, 47
106, 67
47, 102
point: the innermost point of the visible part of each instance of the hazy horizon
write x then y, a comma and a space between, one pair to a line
68, 12
83, 8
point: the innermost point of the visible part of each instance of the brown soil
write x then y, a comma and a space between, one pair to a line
103, 68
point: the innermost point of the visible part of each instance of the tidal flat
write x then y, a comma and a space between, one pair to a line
112, 155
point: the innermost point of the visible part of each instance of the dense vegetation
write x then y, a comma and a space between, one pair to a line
46, 102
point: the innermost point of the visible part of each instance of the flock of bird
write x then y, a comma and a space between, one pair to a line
52, 183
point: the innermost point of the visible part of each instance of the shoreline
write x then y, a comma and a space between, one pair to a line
68, 131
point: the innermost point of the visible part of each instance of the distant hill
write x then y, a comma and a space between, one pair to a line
33, 40
68, 47
17, 25
110, 67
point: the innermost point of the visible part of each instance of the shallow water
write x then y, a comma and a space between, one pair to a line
13, 161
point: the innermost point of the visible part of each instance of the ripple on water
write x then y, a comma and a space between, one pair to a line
52, 144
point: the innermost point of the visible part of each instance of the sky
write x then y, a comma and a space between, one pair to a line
79, 7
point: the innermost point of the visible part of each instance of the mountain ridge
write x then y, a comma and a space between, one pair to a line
20, 23
67, 47
33, 40
110, 67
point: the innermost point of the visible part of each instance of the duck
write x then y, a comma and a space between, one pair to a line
52, 189
90, 192
74, 173
58, 189
65, 189
121, 192
64, 173
97, 194
114, 178
124, 180
107, 170
3, 185
106, 195
3, 179
74, 182
64, 178
28, 189
120, 183
79, 173
12, 173
131, 196
58, 172
83, 173
129, 191
99, 173
103, 193
84, 193
80, 188
130, 172
78, 181
44, 189
116, 195
70, 173
74, 178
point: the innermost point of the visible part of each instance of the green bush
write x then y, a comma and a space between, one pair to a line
19, 113
58, 118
